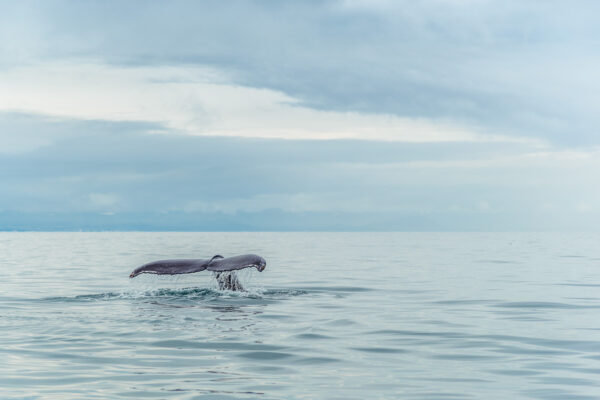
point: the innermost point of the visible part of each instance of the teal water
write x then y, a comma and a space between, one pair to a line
333, 316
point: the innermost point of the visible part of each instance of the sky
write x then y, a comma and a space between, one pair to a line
442, 115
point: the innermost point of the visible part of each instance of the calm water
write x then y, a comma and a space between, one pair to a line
334, 316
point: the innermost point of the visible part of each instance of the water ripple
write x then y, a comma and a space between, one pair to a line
543, 304
378, 315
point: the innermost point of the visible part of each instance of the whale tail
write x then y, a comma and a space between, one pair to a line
223, 268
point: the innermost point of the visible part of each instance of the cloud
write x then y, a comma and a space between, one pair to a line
23, 132
294, 202
200, 101
102, 201
251, 183
321, 114
525, 69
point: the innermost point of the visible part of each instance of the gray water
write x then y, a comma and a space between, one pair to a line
333, 316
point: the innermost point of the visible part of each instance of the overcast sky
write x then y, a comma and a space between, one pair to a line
209, 115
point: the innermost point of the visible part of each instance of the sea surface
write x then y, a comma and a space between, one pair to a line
333, 316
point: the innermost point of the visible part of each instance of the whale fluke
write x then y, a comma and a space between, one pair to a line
224, 268
237, 262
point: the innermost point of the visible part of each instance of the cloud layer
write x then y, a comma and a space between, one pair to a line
521, 68
349, 114
119, 171
198, 101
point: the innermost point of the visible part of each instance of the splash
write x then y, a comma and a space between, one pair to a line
188, 293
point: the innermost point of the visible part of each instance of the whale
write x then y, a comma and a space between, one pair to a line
223, 268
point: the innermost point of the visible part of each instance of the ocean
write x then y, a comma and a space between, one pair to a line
333, 316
